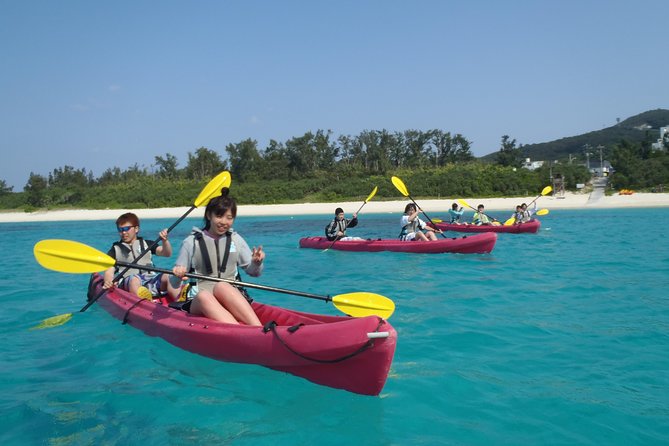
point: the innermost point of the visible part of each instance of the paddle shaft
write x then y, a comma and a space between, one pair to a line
119, 275
231, 281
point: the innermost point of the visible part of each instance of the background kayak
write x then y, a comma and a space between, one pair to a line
477, 244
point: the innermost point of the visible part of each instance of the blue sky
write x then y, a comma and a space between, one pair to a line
102, 84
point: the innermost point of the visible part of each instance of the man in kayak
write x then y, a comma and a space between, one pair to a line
480, 218
127, 249
413, 228
217, 250
336, 229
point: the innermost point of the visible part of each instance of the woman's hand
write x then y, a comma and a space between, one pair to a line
179, 271
258, 255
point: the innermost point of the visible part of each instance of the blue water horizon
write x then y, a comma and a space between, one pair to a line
559, 337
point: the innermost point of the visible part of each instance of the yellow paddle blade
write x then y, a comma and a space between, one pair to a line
399, 185
437, 220
53, 321
547, 190
363, 304
464, 203
71, 257
144, 293
542, 212
510, 221
372, 194
213, 188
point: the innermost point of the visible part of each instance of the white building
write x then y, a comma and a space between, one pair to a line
532, 165
664, 138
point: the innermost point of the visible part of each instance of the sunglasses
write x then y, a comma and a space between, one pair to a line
124, 228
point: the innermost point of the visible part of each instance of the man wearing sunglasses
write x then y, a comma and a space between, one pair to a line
128, 249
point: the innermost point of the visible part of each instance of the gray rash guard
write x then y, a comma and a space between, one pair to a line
190, 256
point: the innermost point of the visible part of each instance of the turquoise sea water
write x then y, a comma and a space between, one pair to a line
560, 338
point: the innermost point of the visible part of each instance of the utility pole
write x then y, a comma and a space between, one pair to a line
601, 160
586, 148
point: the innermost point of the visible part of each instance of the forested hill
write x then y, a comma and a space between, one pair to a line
642, 127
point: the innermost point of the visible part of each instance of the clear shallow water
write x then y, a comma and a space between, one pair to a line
560, 337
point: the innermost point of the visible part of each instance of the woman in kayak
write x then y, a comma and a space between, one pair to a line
456, 214
217, 251
128, 249
413, 228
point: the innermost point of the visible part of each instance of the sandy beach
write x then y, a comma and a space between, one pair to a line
432, 207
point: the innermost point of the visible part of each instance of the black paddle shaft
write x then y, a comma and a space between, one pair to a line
230, 281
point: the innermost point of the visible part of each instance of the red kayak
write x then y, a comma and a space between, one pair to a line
474, 244
343, 352
531, 226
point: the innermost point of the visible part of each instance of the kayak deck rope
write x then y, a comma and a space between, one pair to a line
271, 326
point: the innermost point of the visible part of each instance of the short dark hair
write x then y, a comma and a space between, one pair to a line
339, 211
129, 217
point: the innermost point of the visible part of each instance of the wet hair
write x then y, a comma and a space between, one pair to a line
339, 211
218, 206
454, 206
129, 217
409, 207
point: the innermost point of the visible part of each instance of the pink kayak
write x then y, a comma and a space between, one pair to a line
474, 244
531, 226
343, 352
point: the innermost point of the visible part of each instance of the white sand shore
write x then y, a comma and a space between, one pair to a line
569, 201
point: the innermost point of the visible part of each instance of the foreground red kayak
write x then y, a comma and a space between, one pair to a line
531, 226
347, 353
475, 244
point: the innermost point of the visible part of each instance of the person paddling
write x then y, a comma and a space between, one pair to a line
456, 213
413, 228
127, 249
480, 218
336, 229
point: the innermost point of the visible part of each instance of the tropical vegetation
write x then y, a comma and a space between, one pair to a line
319, 167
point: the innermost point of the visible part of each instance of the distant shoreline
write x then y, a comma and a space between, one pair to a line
431, 206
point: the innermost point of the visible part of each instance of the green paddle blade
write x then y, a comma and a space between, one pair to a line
399, 185
67, 256
542, 212
361, 304
213, 188
53, 321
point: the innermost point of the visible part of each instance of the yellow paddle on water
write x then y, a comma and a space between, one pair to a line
74, 257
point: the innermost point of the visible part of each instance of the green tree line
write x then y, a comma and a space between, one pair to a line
318, 166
